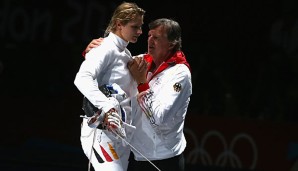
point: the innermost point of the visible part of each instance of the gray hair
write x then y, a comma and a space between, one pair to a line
173, 30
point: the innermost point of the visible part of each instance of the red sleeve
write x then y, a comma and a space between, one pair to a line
84, 53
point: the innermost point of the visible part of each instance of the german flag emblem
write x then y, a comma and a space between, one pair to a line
177, 87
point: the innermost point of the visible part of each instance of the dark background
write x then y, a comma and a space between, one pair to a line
243, 56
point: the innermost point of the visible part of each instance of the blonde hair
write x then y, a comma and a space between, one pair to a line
125, 12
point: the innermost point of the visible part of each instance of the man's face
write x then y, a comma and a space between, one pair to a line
158, 45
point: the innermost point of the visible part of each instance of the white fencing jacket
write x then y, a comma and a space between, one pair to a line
105, 64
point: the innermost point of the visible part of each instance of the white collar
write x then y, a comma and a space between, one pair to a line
120, 43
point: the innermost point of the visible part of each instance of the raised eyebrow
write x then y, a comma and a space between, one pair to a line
154, 36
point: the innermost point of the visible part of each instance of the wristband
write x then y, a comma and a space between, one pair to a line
143, 87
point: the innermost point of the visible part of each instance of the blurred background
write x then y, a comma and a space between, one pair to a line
244, 57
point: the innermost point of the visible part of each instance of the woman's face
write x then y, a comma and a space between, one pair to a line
132, 30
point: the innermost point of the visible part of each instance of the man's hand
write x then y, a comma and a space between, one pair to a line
93, 44
138, 69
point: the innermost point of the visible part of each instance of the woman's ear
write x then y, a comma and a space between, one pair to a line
118, 23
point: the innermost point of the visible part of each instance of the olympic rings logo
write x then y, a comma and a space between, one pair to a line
226, 156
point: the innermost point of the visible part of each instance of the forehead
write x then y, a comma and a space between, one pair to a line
138, 20
158, 31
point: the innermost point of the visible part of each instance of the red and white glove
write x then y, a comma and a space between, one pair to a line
96, 120
114, 123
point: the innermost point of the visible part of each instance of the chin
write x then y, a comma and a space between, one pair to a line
133, 40
149, 51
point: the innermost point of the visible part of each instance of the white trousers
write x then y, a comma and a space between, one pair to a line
103, 149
